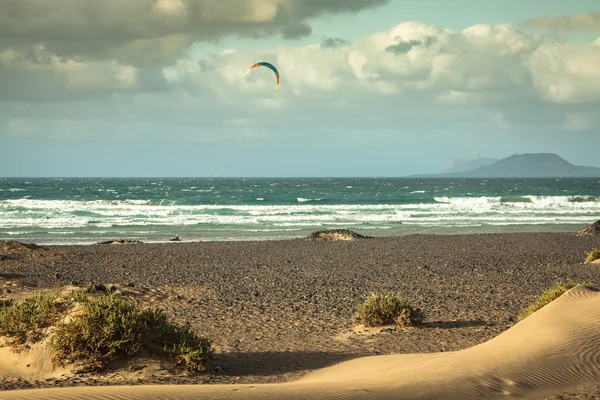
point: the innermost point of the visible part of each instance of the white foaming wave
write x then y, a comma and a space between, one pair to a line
136, 202
468, 201
16, 215
443, 204
69, 204
518, 220
565, 201
537, 201
229, 220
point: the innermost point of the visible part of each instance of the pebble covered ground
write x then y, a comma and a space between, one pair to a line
277, 309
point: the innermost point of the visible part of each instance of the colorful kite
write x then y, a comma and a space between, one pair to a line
266, 64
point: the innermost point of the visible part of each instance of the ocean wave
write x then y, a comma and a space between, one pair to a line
538, 200
73, 215
468, 201
584, 199
515, 199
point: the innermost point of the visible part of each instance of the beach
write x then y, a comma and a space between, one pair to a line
292, 200
277, 310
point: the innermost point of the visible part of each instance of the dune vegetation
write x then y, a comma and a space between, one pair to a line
385, 309
548, 296
87, 329
592, 255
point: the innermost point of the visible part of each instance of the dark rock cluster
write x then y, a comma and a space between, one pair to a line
120, 241
590, 230
336, 234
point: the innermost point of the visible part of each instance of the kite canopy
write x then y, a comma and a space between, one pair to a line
268, 65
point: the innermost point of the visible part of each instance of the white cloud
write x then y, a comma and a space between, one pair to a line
481, 63
411, 60
39, 74
576, 122
567, 73
498, 118
413, 67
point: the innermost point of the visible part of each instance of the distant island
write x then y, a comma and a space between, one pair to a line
529, 165
457, 165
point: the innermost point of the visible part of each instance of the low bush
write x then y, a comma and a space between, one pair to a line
88, 329
385, 309
22, 322
593, 255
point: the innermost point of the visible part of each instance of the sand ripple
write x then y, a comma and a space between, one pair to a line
555, 349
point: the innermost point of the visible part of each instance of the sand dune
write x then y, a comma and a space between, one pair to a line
33, 364
555, 349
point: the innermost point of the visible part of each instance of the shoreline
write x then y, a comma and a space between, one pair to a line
191, 236
279, 309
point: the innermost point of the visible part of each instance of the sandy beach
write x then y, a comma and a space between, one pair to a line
277, 311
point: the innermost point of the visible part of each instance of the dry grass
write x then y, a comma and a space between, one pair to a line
548, 296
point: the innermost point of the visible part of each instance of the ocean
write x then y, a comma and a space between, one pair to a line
88, 210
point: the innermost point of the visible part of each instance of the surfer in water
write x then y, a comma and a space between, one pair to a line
175, 239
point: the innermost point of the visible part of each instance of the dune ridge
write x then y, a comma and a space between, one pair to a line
555, 349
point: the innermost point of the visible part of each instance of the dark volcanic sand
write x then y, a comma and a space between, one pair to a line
275, 309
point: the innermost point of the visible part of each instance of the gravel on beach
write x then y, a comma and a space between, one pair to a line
278, 309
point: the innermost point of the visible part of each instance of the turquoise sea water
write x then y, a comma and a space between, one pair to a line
87, 210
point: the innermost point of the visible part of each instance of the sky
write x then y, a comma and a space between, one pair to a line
158, 88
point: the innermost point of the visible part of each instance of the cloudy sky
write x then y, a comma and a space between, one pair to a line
368, 87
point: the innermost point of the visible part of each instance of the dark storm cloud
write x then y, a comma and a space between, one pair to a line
153, 32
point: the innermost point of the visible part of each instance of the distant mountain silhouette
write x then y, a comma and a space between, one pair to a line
530, 165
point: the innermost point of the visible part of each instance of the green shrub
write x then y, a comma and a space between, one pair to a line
108, 326
385, 309
6, 303
187, 350
89, 329
102, 329
22, 322
592, 255
547, 297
